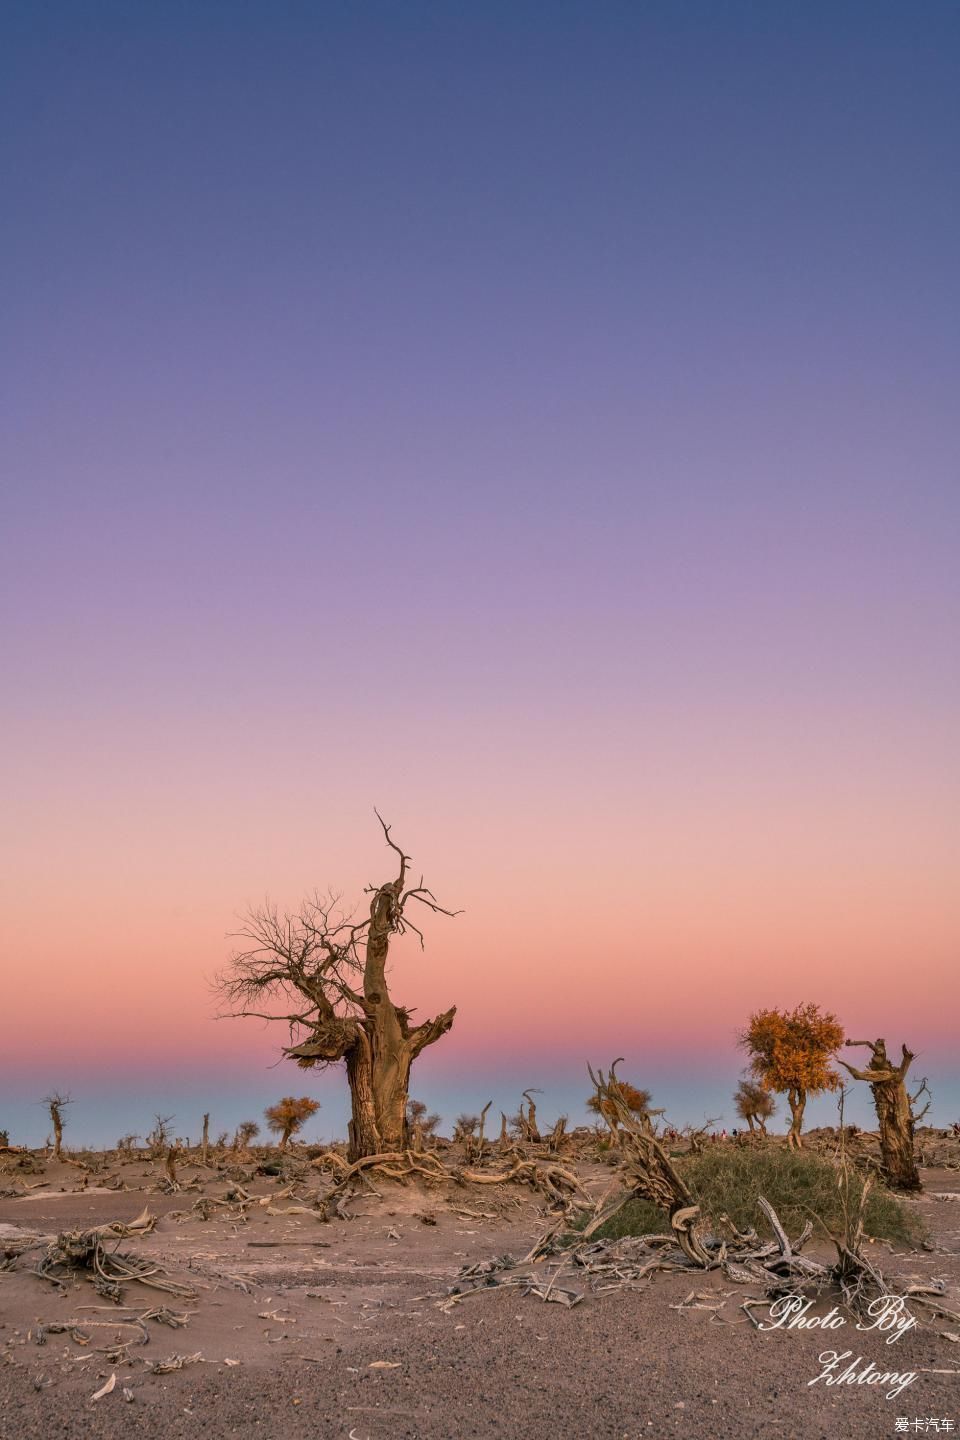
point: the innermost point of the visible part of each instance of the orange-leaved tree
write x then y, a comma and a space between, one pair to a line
791, 1050
289, 1116
636, 1101
754, 1104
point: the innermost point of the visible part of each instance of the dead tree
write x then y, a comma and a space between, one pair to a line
476, 1145
159, 1137
205, 1142
421, 1126
338, 966
525, 1121
895, 1113
416, 1113
557, 1136
173, 1153
647, 1171
55, 1103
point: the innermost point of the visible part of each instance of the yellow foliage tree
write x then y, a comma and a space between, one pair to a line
791, 1050
754, 1104
636, 1100
289, 1115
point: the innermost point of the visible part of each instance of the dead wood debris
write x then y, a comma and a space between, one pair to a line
559, 1186
87, 1251
175, 1362
775, 1267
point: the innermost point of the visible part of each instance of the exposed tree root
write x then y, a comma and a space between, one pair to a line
86, 1250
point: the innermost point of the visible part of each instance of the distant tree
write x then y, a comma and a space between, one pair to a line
125, 1143
421, 1125
791, 1050
895, 1111
637, 1102
289, 1116
4, 1138
55, 1103
159, 1137
247, 1131
465, 1127
754, 1104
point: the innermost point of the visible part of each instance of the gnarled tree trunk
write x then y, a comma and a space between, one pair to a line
378, 1045
797, 1100
894, 1109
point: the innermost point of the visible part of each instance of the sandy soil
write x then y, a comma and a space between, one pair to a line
334, 1330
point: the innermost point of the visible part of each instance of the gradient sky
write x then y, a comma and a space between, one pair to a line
539, 421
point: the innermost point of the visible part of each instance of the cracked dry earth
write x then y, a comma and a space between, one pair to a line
334, 1330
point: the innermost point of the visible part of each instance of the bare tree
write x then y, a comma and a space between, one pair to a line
159, 1137
55, 1103
205, 1142
525, 1121
470, 1129
895, 1112
173, 1153
557, 1136
338, 966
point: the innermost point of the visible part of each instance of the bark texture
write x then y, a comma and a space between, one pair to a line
797, 1100
895, 1113
340, 968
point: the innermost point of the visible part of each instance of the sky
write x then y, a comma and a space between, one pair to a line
536, 421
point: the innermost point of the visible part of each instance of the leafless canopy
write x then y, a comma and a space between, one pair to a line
317, 955
331, 970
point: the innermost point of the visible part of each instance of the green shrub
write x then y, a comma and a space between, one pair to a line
799, 1185
637, 1217
728, 1179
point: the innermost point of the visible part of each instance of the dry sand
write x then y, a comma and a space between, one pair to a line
344, 1338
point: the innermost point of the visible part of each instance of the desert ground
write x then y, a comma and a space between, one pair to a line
286, 1325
